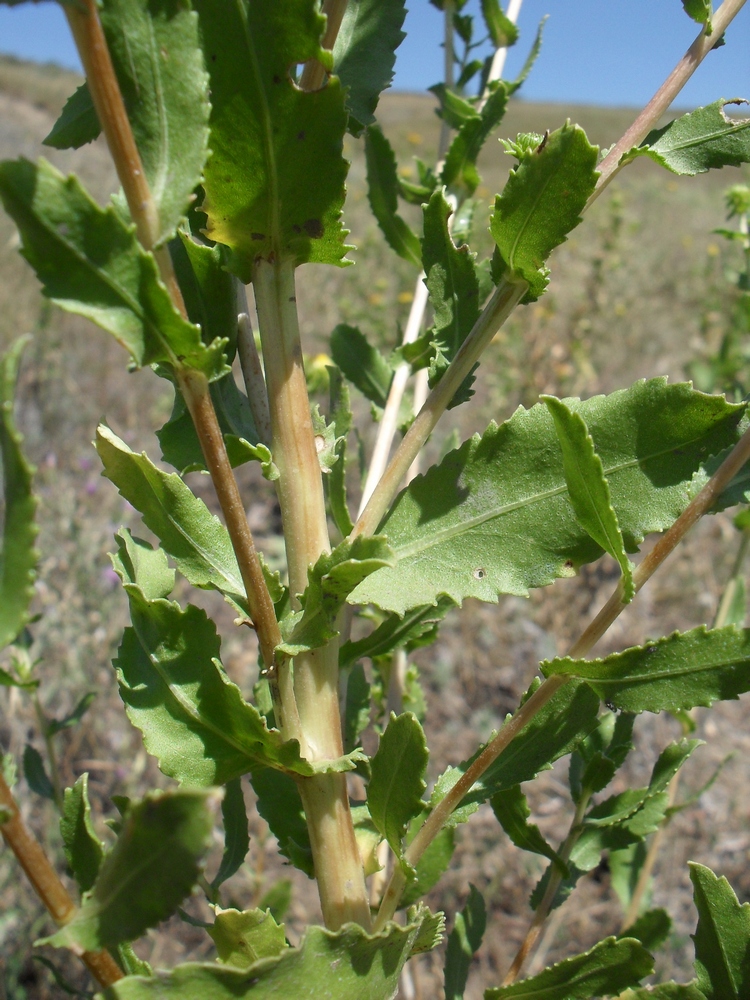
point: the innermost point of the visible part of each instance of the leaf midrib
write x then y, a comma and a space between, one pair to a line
441, 535
649, 676
701, 139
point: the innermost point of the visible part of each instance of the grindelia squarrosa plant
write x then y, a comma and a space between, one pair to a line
225, 120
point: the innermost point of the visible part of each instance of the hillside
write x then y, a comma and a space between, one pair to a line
638, 291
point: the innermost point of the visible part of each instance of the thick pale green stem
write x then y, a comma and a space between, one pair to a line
338, 867
47, 884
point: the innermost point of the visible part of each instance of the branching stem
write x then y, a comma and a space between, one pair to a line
545, 905
314, 74
665, 95
505, 298
47, 884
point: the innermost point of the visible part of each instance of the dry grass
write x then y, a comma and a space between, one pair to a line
626, 300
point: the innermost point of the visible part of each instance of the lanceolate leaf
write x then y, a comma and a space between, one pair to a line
236, 836
452, 283
193, 718
365, 53
588, 488
503, 31
196, 539
494, 516
394, 794
145, 876
268, 138
18, 557
541, 203
460, 170
208, 289
280, 805
341, 422
90, 263
722, 937
702, 140
363, 364
556, 729
463, 943
179, 441
606, 970
83, 849
382, 190
78, 123
665, 991
512, 812
416, 628
348, 964
330, 581
680, 671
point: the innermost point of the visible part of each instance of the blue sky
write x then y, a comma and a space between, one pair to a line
614, 52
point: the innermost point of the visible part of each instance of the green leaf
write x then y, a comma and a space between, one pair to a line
382, 191
335, 481
193, 718
722, 937
280, 805
682, 670
244, 937
432, 865
208, 289
608, 968
699, 11
361, 363
364, 55
83, 849
512, 812
78, 123
18, 556
236, 835
330, 581
625, 866
155, 48
129, 961
463, 943
588, 488
73, 718
36, 774
90, 263
556, 729
179, 441
493, 517
453, 287
665, 991
394, 793
278, 899
348, 964
357, 714
651, 929
542, 202
137, 561
431, 931
460, 168
705, 139
196, 539
595, 762
152, 867
416, 628
268, 138
531, 58
367, 837
502, 31
8, 680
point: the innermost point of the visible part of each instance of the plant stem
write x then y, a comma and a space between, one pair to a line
545, 906
338, 867
662, 99
252, 373
389, 420
501, 54
504, 299
699, 506
110, 107
314, 74
47, 884
440, 814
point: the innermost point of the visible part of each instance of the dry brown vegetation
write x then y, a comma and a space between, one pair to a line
634, 294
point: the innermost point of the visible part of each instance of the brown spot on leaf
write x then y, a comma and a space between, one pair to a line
301, 136
313, 228
258, 236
